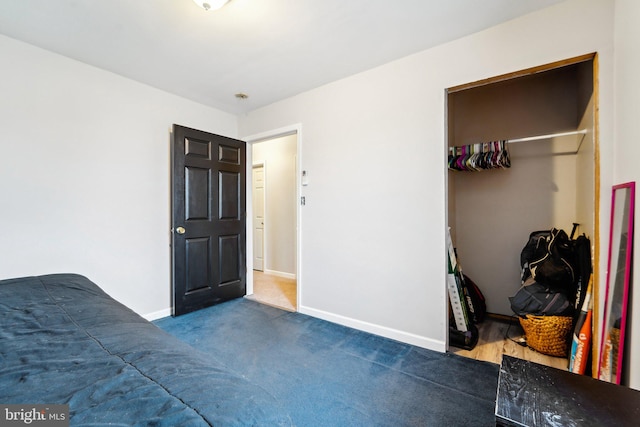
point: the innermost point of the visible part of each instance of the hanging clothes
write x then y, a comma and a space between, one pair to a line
480, 156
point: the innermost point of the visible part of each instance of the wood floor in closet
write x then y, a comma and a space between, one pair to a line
492, 345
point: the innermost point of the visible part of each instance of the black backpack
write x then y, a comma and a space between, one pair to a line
536, 248
556, 269
549, 257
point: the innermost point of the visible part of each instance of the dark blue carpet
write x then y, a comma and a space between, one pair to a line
329, 375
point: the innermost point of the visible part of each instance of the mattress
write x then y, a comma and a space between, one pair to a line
63, 340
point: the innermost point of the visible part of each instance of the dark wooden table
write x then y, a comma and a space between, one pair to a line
530, 394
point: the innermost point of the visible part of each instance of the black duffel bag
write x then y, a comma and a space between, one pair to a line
537, 299
549, 258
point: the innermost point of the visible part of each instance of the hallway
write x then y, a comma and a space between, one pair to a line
274, 290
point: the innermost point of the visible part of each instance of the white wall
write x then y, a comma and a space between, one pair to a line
374, 223
279, 157
84, 173
627, 149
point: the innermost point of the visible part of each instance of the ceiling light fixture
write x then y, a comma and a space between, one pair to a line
210, 4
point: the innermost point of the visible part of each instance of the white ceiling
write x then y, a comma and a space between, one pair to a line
268, 49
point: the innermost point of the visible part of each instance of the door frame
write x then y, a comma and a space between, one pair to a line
596, 242
295, 129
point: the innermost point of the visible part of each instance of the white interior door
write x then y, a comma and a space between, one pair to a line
258, 217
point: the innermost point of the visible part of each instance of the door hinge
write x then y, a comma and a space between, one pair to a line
303, 201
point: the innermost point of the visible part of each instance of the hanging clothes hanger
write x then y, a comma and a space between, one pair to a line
480, 156
494, 154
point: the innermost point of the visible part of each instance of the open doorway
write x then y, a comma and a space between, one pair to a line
272, 229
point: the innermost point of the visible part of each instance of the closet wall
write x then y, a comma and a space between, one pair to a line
492, 212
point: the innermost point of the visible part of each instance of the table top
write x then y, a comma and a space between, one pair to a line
530, 394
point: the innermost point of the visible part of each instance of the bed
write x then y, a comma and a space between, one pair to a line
63, 340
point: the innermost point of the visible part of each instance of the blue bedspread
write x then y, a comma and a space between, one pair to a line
65, 341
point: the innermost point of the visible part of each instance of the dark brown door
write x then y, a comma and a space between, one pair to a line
208, 219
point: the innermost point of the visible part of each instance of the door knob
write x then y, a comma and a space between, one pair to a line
180, 230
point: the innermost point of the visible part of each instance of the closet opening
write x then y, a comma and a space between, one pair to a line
543, 174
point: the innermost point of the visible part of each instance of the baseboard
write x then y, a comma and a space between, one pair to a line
280, 274
158, 314
371, 328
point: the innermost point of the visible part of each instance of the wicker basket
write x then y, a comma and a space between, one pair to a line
548, 334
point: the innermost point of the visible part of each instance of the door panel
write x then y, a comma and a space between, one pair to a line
198, 254
229, 268
197, 187
208, 219
228, 196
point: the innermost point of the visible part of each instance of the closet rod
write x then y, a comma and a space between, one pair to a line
551, 135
